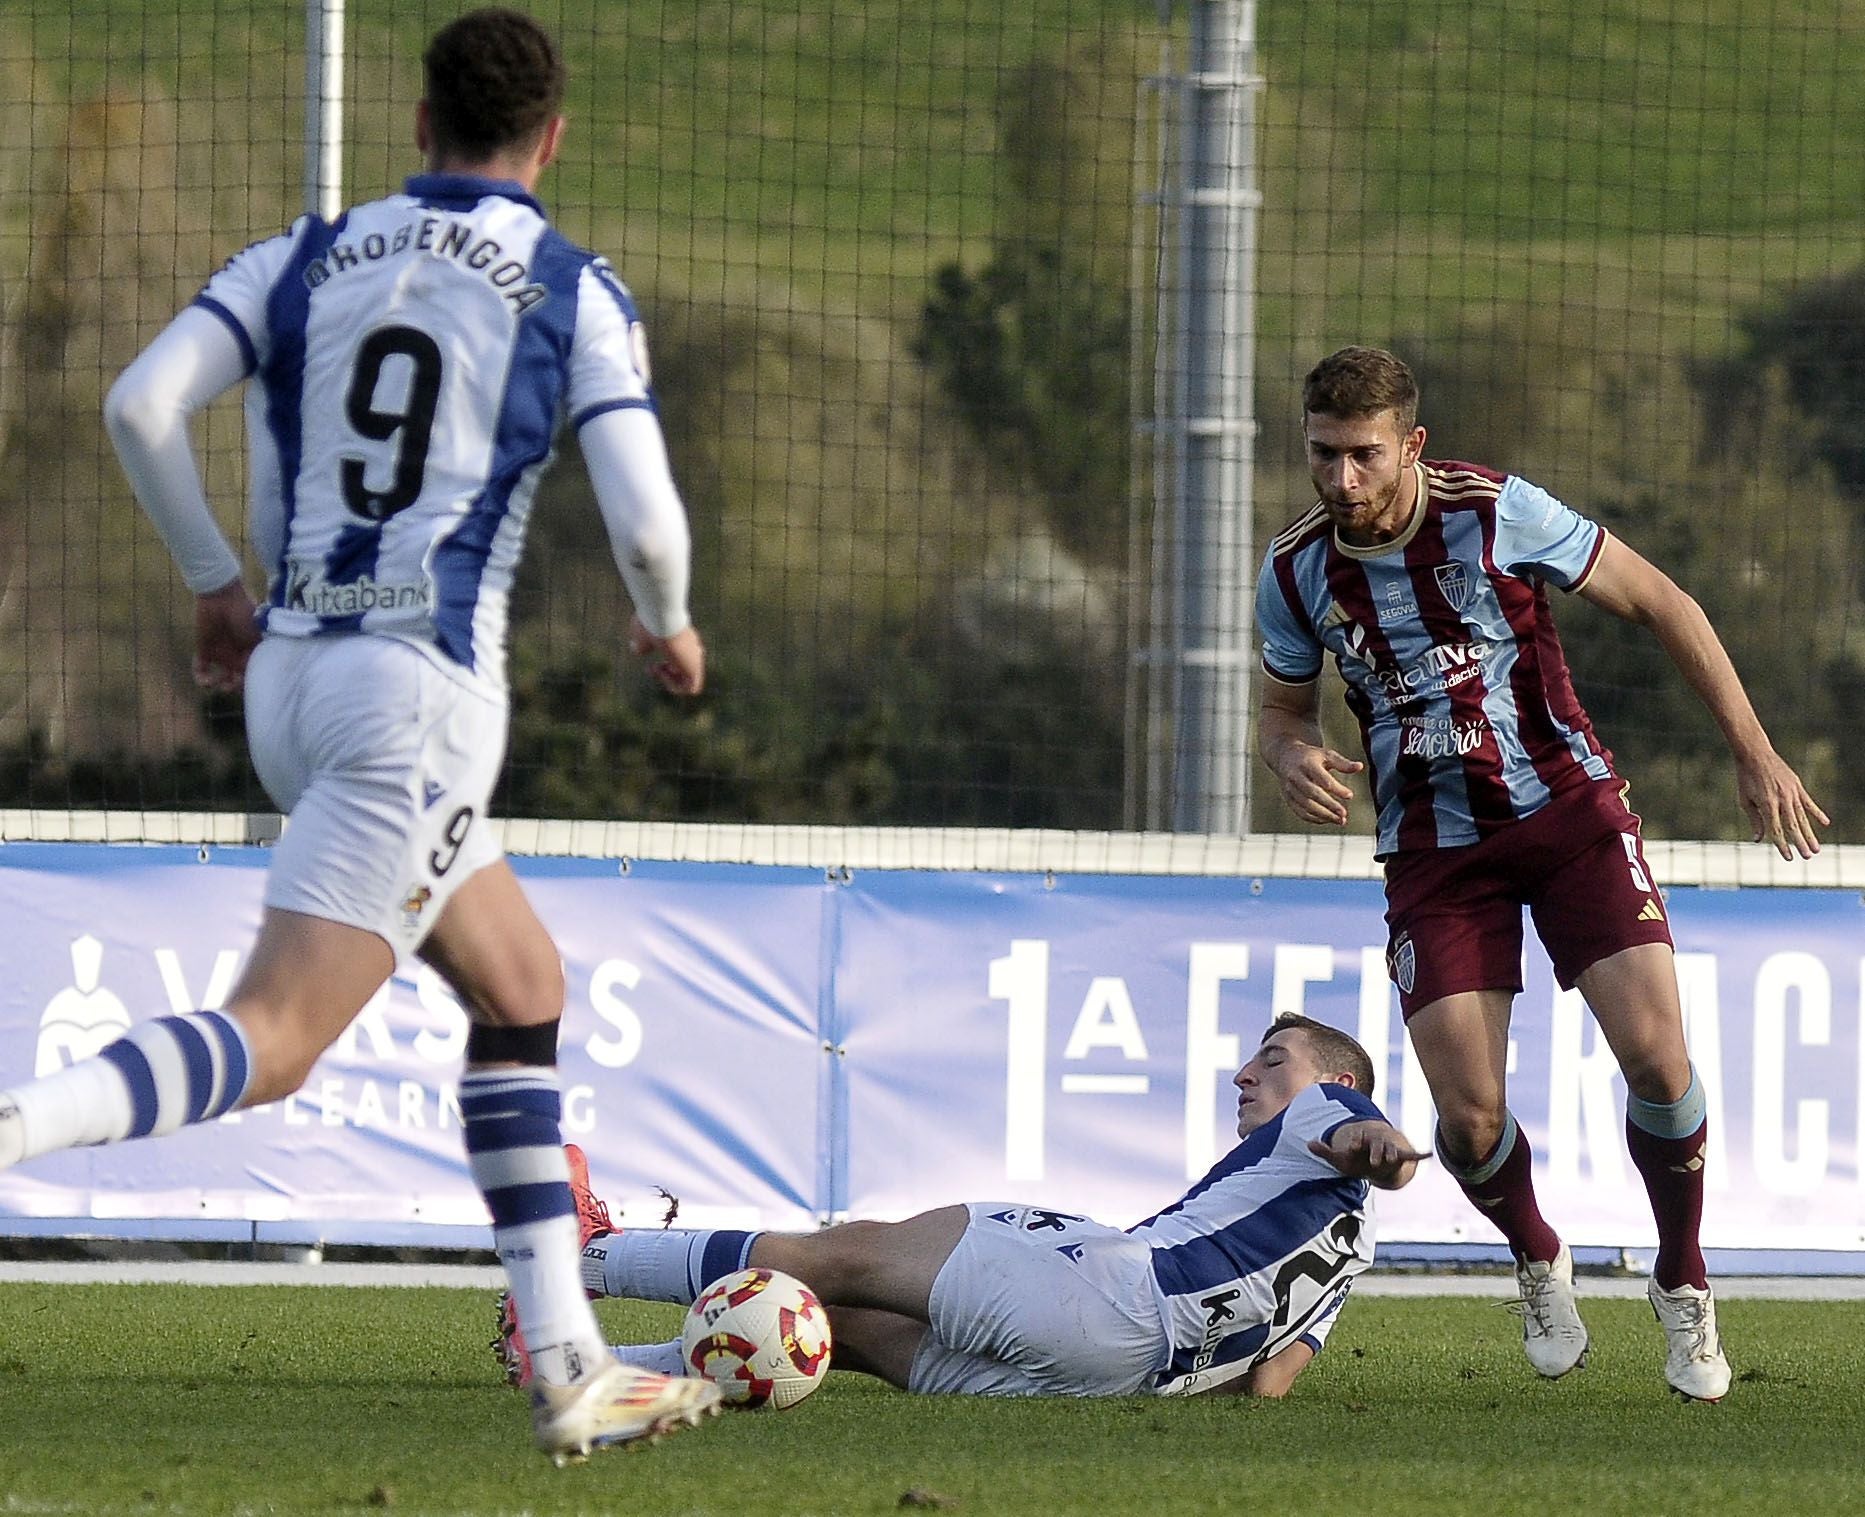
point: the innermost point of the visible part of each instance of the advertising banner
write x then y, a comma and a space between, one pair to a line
772, 1047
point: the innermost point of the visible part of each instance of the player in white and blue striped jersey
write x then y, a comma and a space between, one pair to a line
1233, 1287
409, 365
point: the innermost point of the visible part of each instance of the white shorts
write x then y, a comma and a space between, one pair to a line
1041, 1303
385, 764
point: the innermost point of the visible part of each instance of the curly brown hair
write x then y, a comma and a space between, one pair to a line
1362, 382
494, 83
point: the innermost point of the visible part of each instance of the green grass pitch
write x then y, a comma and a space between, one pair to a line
172, 1399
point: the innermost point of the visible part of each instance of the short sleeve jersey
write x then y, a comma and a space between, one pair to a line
411, 364
1260, 1253
1446, 641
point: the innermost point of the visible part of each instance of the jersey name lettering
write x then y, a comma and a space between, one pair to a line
443, 237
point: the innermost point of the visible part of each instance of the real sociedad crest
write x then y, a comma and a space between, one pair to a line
1453, 584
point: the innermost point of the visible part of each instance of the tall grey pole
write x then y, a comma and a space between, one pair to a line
323, 108
1204, 435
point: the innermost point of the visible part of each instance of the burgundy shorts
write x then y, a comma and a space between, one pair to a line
1454, 915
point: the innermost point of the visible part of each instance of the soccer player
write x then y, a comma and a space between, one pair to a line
1234, 1287
410, 364
1428, 582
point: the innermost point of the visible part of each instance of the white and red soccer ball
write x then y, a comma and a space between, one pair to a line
761, 1335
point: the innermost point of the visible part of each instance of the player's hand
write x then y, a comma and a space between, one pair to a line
1371, 1151
1778, 806
677, 663
226, 630
1310, 783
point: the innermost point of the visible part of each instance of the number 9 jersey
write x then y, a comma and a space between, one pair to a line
413, 361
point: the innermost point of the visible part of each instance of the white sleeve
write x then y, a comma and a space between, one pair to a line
627, 461
609, 354
1316, 1112
195, 358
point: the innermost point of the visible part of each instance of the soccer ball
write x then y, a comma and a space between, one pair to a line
761, 1336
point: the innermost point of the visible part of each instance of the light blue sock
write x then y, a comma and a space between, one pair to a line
1675, 1119
672, 1264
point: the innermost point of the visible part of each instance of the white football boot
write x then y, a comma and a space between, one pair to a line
619, 1404
1553, 1336
1693, 1362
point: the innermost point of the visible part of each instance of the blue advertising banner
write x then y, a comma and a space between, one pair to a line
690, 1055
770, 1047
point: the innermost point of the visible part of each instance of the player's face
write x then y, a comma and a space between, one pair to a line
1361, 467
1282, 1068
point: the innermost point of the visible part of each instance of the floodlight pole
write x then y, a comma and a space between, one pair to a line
323, 108
1197, 671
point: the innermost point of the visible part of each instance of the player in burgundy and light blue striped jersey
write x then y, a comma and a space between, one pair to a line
1428, 583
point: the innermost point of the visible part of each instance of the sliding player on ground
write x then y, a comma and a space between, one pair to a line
1234, 1287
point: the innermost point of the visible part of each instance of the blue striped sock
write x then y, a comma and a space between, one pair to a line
160, 1075
724, 1253
514, 1143
181, 1070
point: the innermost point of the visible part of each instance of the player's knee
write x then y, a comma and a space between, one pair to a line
537, 996
531, 992
525, 990
848, 1261
1658, 1075
1468, 1131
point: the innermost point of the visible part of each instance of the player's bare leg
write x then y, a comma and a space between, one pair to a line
304, 982
1462, 1043
889, 1266
877, 1343
1633, 995
491, 948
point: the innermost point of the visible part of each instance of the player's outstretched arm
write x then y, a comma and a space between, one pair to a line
1289, 739
1370, 1150
1779, 808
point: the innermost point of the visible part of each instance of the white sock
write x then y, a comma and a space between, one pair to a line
515, 1145
661, 1358
85, 1104
674, 1264
162, 1074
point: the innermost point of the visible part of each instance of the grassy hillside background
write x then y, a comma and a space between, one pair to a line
885, 252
